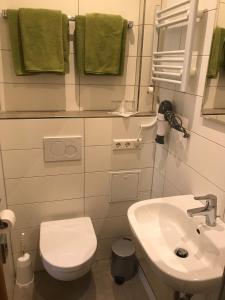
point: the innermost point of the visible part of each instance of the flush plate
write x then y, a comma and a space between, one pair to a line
62, 148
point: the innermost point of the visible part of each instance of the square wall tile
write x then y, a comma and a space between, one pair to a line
101, 97
31, 97
31, 239
98, 158
9, 76
134, 159
146, 179
150, 8
157, 185
170, 190
98, 131
146, 71
16, 134
146, 100
100, 207
129, 128
188, 181
210, 165
148, 39
112, 227
126, 8
30, 215
103, 131
41, 189
69, 6
97, 184
29, 163
128, 78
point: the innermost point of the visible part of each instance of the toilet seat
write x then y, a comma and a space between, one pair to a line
67, 244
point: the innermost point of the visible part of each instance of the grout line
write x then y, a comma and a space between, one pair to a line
67, 84
83, 147
80, 173
28, 149
210, 140
43, 176
207, 179
43, 202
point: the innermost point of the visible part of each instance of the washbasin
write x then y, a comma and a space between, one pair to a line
186, 254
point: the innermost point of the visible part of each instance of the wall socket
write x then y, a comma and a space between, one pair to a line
126, 144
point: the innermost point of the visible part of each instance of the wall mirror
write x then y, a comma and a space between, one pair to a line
214, 98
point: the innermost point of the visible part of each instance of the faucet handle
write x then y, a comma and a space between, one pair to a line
211, 200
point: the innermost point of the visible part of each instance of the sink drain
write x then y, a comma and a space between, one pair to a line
181, 252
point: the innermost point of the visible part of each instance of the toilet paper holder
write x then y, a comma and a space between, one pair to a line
3, 248
3, 225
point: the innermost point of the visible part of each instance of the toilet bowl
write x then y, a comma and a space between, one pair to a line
67, 247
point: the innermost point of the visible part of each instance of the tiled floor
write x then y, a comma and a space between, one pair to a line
97, 285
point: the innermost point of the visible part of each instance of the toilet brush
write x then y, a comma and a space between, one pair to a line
24, 272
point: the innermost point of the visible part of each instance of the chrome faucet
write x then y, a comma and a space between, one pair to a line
209, 210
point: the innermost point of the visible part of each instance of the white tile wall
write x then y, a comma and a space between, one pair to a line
131, 12
71, 92
30, 163
37, 191
145, 99
196, 165
52, 188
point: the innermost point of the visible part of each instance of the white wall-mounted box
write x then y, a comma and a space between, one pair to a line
62, 148
124, 185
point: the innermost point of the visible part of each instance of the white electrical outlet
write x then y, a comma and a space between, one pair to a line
126, 144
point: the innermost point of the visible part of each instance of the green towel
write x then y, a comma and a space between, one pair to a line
14, 33
217, 55
66, 43
40, 41
79, 43
100, 42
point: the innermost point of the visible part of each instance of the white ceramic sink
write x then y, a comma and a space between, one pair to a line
162, 225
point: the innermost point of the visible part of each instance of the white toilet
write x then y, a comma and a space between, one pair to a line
68, 247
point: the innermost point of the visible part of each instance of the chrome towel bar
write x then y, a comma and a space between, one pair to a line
71, 18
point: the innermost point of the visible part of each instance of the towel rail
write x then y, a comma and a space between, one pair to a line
173, 7
176, 63
177, 21
168, 59
4, 15
167, 73
160, 53
180, 12
167, 67
166, 80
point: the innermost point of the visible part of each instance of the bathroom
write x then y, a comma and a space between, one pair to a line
141, 137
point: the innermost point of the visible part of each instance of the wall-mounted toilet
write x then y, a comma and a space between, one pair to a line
67, 247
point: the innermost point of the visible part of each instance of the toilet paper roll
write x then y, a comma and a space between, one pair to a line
7, 219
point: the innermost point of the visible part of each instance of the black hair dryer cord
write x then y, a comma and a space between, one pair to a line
176, 123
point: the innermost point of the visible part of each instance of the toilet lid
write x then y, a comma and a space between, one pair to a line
67, 243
